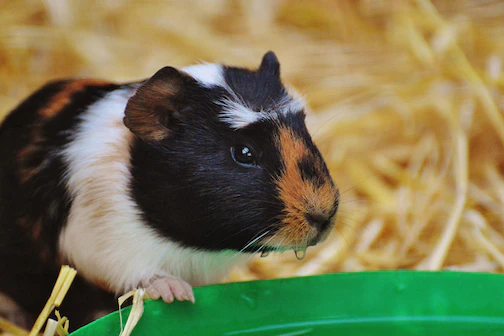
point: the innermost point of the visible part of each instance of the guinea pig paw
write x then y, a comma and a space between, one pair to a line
169, 288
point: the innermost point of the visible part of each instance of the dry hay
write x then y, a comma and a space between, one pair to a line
407, 100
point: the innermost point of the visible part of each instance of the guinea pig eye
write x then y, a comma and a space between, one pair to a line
243, 155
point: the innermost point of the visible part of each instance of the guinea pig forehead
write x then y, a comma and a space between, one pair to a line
255, 96
245, 96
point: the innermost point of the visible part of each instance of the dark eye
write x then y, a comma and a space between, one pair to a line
243, 155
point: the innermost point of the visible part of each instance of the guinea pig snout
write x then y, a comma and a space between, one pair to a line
318, 220
322, 219
306, 192
308, 216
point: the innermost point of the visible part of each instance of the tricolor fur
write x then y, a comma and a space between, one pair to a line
128, 182
122, 251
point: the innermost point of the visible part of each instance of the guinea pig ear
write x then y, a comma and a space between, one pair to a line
150, 112
270, 64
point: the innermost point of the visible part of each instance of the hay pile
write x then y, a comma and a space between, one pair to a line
407, 100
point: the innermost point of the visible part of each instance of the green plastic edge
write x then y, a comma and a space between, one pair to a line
361, 303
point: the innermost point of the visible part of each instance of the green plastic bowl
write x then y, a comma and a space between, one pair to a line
369, 303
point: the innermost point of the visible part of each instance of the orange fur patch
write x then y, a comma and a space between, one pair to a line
298, 195
26, 170
53, 107
63, 98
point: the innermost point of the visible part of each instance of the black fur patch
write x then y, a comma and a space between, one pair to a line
260, 89
33, 201
189, 187
314, 164
310, 171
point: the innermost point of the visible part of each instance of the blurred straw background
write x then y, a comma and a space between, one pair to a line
407, 101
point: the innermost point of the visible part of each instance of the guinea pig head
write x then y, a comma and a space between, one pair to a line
222, 159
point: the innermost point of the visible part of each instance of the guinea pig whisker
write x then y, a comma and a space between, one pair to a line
342, 218
252, 241
260, 201
234, 234
364, 201
354, 186
228, 223
344, 215
278, 246
340, 224
340, 233
326, 123
336, 234
265, 244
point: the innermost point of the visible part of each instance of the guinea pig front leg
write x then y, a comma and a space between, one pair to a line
168, 288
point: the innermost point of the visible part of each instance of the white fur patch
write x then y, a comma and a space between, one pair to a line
290, 104
237, 114
105, 238
207, 74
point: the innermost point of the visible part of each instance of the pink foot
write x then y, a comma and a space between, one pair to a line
169, 288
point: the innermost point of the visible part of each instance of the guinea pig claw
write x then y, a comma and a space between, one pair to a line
188, 292
152, 292
170, 288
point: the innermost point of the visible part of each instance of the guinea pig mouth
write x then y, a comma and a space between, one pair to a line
322, 235
299, 251
312, 238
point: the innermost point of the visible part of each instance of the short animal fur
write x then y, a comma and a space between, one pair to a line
165, 183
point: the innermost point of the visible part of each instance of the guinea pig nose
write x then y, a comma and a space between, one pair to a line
318, 221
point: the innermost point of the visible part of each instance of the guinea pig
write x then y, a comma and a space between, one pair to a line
163, 184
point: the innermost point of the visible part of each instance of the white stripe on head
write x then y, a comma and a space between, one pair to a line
207, 74
289, 104
105, 237
237, 115
236, 112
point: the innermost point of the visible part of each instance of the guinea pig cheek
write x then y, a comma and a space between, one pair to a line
302, 197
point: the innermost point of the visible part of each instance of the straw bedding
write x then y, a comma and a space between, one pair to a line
407, 101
